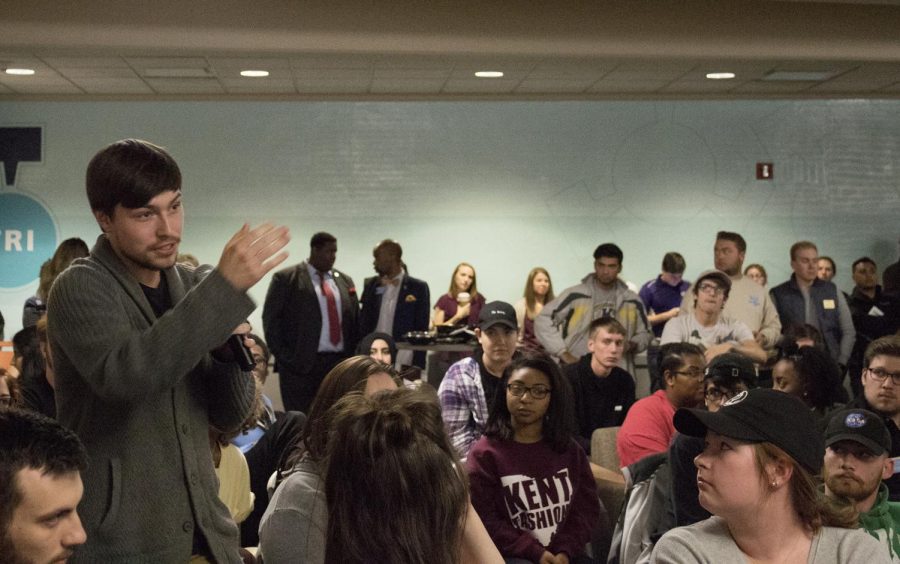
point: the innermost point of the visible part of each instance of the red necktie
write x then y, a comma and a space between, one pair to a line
334, 322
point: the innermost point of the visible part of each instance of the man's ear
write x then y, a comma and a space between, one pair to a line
103, 220
888, 469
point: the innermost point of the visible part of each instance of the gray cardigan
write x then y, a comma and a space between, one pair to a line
141, 392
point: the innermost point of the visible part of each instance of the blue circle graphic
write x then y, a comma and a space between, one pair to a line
27, 238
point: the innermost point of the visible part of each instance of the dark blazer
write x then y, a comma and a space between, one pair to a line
412, 314
292, 320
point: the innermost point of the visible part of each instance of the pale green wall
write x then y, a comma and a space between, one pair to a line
505, 185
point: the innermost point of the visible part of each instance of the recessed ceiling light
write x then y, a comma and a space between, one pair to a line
20, 72
488, 74
254, 73
719, 75
810, 76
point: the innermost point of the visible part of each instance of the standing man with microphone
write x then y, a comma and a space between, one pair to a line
143, 367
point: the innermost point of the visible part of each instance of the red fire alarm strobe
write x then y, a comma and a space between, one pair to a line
764, 171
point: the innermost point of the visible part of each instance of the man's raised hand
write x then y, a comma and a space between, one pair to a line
252, 253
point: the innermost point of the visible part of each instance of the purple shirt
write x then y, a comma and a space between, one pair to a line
659, 297
448, 305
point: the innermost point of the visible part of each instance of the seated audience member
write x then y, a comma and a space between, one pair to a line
881, 394
462, 303
40, 487
538, 292
263, 440
648, 427
757, 273
10, 396
804, 334
233, 475
395, 489
2, 325
726, 376
705, 325
856, 461
825, 269
662, 296
35, 364
756, 475
471, 383
811, 375
67, 251
875, 314
807, 299
748, 302
603, 392
293, 526
531, 483
379, 346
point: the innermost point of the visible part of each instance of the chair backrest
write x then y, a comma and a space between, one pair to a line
647, 512
603, 448
6, 354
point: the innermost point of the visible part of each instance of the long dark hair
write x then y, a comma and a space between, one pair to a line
348, 376
559, 421
395, 489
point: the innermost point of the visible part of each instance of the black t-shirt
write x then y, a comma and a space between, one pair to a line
489, 382
599, 402
159, 297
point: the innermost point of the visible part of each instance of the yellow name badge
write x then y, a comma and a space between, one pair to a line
828, 304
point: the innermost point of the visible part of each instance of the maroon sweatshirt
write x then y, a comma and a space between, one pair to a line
532, 498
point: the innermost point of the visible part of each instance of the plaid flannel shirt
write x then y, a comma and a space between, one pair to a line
463, 405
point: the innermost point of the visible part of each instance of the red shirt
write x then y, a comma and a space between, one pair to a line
648, 428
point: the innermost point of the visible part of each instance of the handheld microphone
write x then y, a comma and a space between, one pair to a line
242, 354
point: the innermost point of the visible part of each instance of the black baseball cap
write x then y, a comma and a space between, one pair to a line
732, 367
761, 415
859, 426
494, 313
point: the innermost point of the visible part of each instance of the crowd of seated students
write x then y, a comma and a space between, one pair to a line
508, 402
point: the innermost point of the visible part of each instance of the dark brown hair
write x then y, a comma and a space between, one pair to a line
349, 375
883, 346
395, 490
130, 172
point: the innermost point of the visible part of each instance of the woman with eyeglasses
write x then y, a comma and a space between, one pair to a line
530, 482
706, 326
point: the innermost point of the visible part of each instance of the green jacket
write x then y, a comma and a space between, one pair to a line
882, 521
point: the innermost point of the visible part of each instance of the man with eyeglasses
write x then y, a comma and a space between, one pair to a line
749, 302
648, 427
881, 394
706, 326
726, 376
805, 299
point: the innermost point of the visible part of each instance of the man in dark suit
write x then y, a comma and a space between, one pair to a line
394, 302
310, 320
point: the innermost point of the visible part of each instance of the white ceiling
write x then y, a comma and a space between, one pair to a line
413, 50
